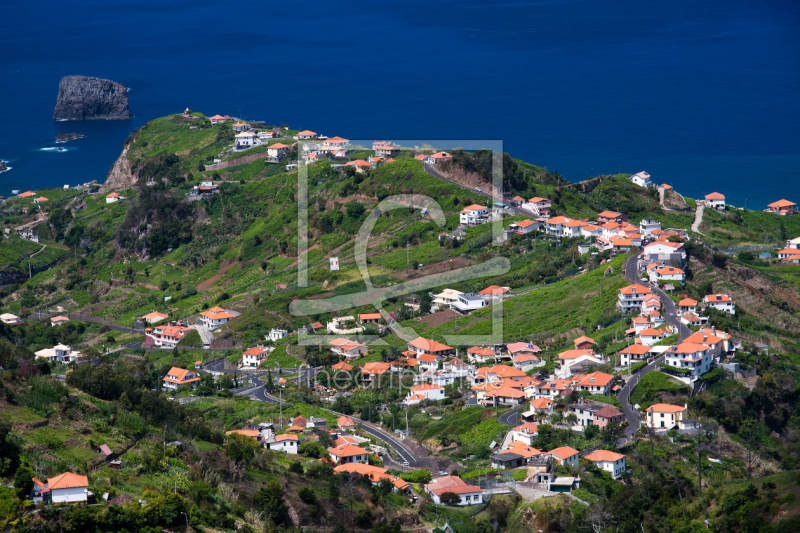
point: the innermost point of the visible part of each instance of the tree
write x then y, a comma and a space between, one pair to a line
269, 500
164, 285
752, 434
307, 495
611, 434
9, 449
450, 498
23, 481
591, 431
599, 519
425, 303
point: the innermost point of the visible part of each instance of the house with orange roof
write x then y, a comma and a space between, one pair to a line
369, 318
584, 343
720, 302
540, 206
526, 362
504, 395
517, 201
640, 323
306, 134
667, 273
525, 226
458, 368
40, 200
346, 423
542, 406
438, 157
216, 316
469, 494
166, 336
348, 453
525, 433
350, 350
341, 366
664, 252
694, 357
790, 254
36, 491
522, 348
611, 216
287, 443
66, 488
664, 415
715, 200
473, 215
58, 320
217, 119
576, 361
632, 296
421, 345
691, 319
553, 388
276, 152
611, 462
565, 456
687, 306
372, 372
781, 207
176, 377
650, 336
597, 383
479, 354
429, 391
253, 357
26, 194
245, 140
241, 126
385, 148
336, 142
709, 338
562, 226
635, 353
155, 317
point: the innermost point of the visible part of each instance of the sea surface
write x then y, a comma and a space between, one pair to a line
704, 95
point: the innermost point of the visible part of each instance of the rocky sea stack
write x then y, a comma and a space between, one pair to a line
86, 98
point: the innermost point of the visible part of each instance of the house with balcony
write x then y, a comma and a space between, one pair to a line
446, 298
539, 205
664, 252
426, 391
372, 372
631, 297
687, 306
468, 302
667, 273
253, 357
565, 456
635, 353
245, 140
782, 207
697, 359
167, 336
60, 353
474, 215
178, 376
350, 350
611, 216
649, 227
276, 152
458, 368
385, 148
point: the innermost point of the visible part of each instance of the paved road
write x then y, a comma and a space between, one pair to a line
631, 415
510, 418
698, 219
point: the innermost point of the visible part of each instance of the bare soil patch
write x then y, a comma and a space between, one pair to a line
213, 279
439, 318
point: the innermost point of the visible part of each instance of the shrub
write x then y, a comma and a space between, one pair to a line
296, 467
307, 495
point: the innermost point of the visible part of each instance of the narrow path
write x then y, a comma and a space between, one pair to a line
40, 217
698, 219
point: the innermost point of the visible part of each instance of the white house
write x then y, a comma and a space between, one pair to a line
447, 297
693, 320
525, 433
642, 179
427, 362
58, 320
715, 200
539, 205
336, 142
474, 214
525, 226
178, 376
565, 455
687, 306
647, 226
720, 302
425, 391
287, 443
634, 353
253, 357
564, 227
277, 334
67, 488
245, 140
526, 362
611, 462
632, 296
469, 494
276, 152
438, 157
458, 368
468, 302
166, 336
697, 358
597, 383
215, 317
113, 197
348, 453
241, 126
650, 336
664, 415
481, 355
348, 349
11, 320
306, 134
664, 252
60, 353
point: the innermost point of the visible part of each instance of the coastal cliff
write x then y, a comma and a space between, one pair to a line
86, 98
120, 177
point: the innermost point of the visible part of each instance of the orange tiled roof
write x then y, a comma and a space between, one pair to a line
605, 455
67, 480
428, 345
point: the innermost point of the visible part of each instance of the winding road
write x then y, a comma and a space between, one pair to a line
671, 316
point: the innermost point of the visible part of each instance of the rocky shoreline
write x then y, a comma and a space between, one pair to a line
66, 137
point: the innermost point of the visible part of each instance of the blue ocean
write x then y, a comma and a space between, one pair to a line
703, 95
